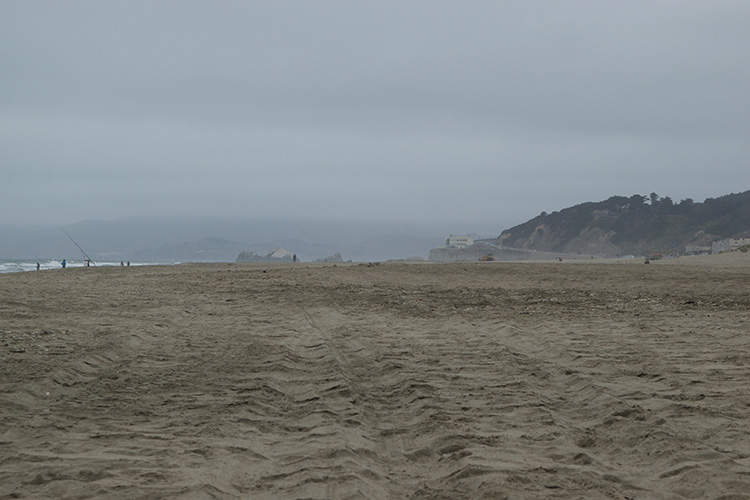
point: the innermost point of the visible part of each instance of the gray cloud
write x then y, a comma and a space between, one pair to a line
478, 114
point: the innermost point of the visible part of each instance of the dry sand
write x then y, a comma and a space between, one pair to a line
481, 380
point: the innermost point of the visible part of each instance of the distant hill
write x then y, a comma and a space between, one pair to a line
634, 225
204, 250
217, 239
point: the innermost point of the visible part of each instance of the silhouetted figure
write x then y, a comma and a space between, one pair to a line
37, 266
64, 264
294, 258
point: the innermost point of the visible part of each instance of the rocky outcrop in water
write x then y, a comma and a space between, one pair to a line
275, 255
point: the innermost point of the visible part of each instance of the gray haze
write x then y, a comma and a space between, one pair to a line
471, 115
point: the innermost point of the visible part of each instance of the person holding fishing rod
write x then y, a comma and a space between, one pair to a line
88, 260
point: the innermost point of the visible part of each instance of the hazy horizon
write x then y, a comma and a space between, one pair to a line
144, 239
380, 226
470, 115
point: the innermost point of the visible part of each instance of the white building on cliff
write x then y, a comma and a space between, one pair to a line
454, 241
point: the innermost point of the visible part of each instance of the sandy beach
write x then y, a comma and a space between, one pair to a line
397, 380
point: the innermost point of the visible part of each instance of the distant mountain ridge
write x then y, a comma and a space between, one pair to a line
635, 225
217, 239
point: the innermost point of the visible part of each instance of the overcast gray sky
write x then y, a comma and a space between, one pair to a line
477, 113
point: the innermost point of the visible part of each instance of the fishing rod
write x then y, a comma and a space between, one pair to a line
79, 246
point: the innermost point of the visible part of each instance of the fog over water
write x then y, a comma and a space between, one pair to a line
471, 116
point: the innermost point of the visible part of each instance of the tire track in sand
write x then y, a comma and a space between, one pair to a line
329, 450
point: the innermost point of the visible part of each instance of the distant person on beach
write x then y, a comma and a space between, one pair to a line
37, 266
64, 263
128, 263
294, 258
122, 263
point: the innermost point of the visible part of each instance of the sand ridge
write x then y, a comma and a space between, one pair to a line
478, 380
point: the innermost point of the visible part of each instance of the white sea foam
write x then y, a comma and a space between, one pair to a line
14, 266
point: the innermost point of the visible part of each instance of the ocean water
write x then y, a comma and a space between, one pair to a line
19, 265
